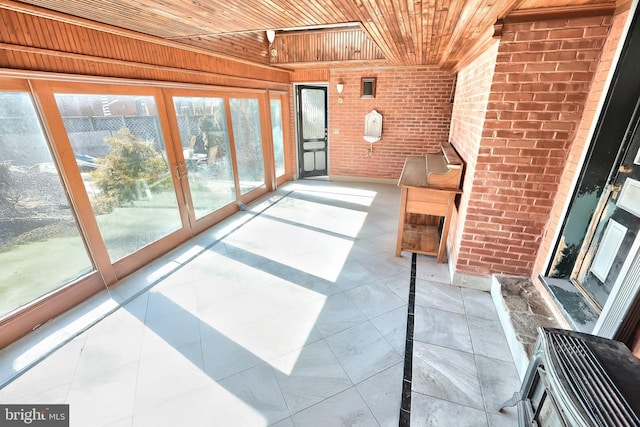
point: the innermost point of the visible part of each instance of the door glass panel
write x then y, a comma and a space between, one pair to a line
309, 162
278, 137
320, 160
205, 147
245, 117
317, 145
121, 155
314, 112
40, 245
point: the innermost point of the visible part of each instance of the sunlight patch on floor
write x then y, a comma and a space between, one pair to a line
293, 246
255, 314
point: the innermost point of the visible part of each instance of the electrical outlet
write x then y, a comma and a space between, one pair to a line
336, 131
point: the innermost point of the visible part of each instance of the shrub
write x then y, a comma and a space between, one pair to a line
131, 168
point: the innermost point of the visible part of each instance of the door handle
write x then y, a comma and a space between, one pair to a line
181, 169
614, 189
625, 169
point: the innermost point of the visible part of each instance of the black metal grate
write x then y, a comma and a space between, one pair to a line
591, 385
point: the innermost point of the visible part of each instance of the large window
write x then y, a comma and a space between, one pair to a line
115, 176
205, 147
40, 245
245, 116
120, 151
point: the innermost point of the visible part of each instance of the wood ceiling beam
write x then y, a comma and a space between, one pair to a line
561, 12
325, 46
477, 17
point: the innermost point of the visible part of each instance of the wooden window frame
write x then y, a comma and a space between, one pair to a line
42, 87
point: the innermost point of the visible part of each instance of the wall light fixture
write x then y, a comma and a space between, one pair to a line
340, 88
271, 36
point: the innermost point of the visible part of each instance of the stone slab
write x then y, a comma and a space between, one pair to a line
522, 309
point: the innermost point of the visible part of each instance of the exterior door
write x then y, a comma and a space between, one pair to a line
615, 226
204, 138
312, 131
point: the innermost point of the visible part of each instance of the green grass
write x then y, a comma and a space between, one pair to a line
34, 269
31, 270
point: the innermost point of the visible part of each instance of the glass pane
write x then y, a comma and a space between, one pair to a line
245, 116
315, 145
205, 146
278, 137
309, 161
40, 245
118, 145
320, 160
314, 113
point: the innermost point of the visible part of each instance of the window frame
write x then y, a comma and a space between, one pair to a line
41, 87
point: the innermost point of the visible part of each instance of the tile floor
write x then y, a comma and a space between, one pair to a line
292, 313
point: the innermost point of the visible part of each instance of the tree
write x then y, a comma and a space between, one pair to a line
132, 165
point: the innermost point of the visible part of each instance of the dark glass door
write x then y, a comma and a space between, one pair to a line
615, 226
312, 130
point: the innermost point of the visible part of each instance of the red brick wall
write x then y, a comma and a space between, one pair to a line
542, 79
414, 103
473, 85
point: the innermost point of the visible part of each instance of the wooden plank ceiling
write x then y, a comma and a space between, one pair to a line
318, 33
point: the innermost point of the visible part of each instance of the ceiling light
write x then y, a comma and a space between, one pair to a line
271, 36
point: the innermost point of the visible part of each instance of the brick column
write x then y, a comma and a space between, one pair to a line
582, 140
540, 85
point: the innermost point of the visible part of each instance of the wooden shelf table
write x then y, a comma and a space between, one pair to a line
429, 185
